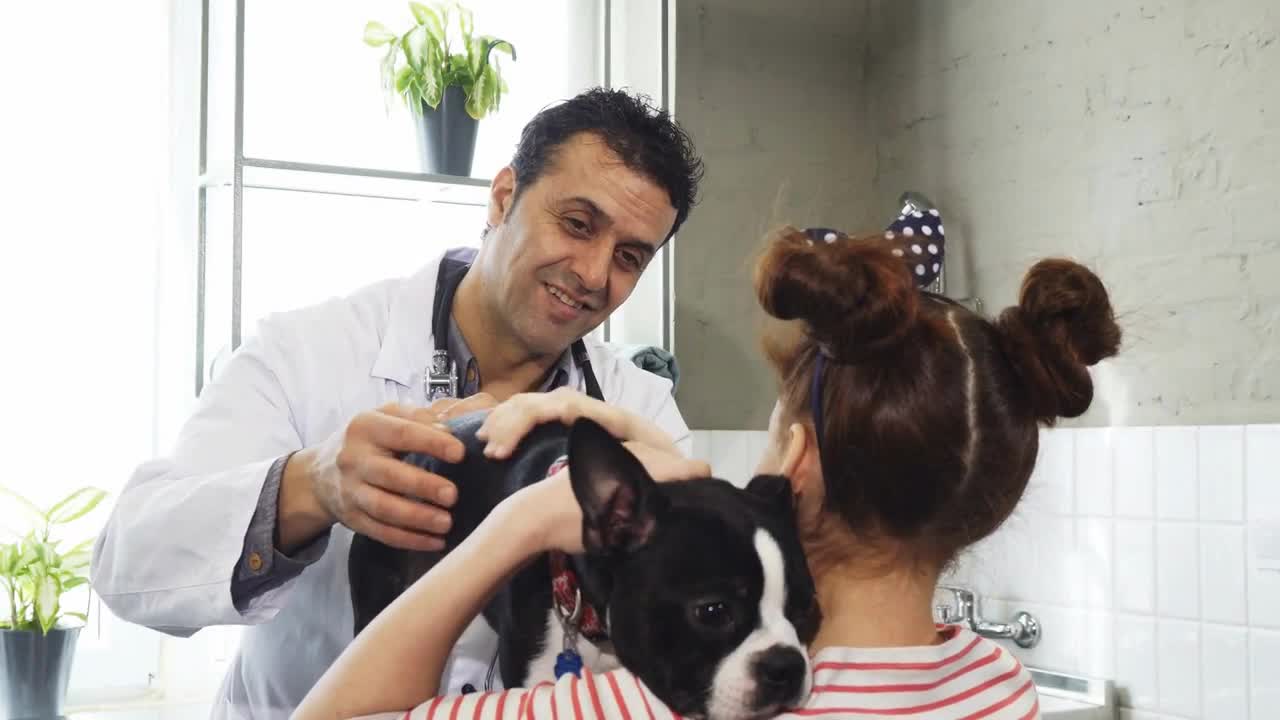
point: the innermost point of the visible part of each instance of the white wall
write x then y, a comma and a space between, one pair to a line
1140, 137
773, 95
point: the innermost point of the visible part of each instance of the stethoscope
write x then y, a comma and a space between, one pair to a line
440, 379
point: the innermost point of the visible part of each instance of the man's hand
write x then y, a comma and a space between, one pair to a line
354, 478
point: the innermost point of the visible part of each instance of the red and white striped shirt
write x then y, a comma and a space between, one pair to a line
966, 676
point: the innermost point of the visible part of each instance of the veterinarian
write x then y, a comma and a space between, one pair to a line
248, 520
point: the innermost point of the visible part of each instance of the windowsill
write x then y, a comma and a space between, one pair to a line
153, 705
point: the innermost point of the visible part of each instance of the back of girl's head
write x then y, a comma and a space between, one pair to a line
930, 412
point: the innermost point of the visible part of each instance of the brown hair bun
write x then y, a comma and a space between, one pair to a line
856, 297
1063, 324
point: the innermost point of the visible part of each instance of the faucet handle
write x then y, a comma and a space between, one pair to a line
962, 595
944, 616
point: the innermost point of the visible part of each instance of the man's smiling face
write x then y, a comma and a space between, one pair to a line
569, 249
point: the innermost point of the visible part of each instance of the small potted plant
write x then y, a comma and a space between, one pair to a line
449, 87
37, 643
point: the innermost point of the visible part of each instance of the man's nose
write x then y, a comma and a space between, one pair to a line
591, 264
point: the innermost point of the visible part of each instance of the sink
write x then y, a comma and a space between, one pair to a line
1073, 697
1058, 708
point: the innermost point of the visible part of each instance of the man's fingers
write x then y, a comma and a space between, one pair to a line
399, 434
400, 477
470, 404
509, 423
394, 536
443, 409
401, 512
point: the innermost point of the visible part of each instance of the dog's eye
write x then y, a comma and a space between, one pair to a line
712, 614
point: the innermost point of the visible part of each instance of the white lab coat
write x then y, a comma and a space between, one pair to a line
168, 552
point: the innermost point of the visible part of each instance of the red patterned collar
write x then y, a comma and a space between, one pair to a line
566, 593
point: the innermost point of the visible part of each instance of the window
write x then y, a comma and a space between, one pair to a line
127, 275
331, 171
88, 205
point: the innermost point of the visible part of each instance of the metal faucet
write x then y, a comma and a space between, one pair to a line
1024, 630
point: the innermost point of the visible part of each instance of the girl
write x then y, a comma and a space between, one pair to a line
908, 428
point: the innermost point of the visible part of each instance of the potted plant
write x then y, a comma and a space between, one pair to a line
448, 91
37, 644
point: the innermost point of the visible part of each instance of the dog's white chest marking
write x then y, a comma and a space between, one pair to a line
543, 666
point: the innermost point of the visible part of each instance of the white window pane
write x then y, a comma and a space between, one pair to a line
301, 248
313, 94
78, 284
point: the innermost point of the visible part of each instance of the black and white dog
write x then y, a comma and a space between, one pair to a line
698, 587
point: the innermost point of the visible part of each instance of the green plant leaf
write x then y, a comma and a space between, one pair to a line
9, 555
71, 583
476, 97
386, 71
432, 82
431, 20
82, 546
444, 28
485, 45
76, 505
466, 22
411, 47
78, 615
504, 47
487, 86
75, 562
45, 555
28, 554
376, 34
46, 601
402, 79
420, 12
36, 514
413, 95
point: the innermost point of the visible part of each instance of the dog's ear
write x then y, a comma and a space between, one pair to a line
775, 490
619, 498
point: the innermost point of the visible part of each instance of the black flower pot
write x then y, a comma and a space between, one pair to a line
447, 135
34, 671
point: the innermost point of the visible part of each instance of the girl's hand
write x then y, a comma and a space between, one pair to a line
667, 464
550, 510
546, 514
508, 423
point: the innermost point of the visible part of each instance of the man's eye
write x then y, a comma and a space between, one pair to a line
631, 260
577, 225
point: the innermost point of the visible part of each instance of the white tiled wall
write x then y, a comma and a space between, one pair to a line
1134, 546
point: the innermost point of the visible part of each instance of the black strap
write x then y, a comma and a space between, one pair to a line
453, 267
583, 361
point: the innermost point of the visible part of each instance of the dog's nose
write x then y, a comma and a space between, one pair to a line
780, 671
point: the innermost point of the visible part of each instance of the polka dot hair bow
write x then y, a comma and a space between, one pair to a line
917, 236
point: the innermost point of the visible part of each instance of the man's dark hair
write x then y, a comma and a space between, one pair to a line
644, 137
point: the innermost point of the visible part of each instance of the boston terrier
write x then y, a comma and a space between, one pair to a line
698, 587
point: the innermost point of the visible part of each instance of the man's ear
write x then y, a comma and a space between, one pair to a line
620, 501
501, 195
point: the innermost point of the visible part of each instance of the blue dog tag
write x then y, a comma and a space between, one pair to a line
568, 662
